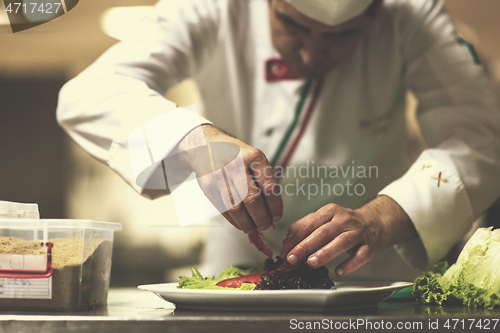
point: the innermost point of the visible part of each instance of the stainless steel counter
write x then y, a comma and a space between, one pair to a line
132, 310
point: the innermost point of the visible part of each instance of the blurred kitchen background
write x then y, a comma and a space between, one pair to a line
39, 163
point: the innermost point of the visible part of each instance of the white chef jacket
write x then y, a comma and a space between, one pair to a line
357, 123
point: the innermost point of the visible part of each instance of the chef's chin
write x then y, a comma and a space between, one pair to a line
309, 73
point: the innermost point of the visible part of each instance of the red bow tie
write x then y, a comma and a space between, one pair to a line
277, 70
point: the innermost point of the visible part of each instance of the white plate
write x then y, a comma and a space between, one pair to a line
346, 295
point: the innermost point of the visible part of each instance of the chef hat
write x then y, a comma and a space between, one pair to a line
330, 12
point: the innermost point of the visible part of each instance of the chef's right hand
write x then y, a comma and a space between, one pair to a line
247, 194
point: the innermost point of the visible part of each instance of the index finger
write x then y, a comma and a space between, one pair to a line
294, 236
299, 233
264, 177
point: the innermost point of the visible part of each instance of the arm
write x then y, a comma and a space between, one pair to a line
449, 185
111, 107
125, 86
456, 179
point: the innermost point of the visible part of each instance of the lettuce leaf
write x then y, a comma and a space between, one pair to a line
197, 281
474, 280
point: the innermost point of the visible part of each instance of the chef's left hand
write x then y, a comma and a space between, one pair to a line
332, 230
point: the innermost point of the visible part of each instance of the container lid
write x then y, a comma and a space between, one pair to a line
11, 223
18, 210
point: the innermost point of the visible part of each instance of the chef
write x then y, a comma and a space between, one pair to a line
313, 94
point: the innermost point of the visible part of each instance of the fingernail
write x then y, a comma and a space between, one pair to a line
339, 271
292, 259
313, 261
276, 218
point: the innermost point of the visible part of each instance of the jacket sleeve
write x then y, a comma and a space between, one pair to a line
458, 177
123, 90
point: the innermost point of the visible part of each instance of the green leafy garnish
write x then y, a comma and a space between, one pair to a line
197, 281
474, 280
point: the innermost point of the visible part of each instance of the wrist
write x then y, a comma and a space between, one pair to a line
195, 149
385, 214
194, 142
198, 136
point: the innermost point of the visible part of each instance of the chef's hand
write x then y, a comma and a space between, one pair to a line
332, 230
248, 199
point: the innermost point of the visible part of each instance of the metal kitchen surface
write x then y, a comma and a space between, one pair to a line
132, 310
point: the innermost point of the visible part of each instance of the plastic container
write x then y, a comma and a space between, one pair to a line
55, 265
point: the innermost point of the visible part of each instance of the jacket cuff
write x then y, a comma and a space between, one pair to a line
436, 202
142, 144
